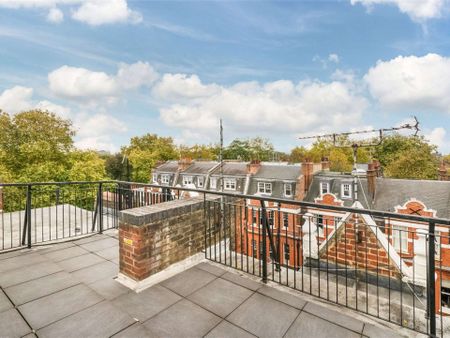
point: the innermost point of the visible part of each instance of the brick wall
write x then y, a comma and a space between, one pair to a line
154, 237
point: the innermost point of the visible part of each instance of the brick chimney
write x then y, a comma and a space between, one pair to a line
184, 163
442, 172
325, 164
307, 173
371, 178
253, 167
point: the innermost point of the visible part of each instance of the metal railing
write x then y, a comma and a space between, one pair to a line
392, 266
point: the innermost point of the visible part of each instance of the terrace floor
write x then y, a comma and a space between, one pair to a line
68, 290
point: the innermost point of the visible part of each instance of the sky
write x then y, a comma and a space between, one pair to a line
276, 69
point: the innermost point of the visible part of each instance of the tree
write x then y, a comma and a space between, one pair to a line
249, 149
199, 152
86, 166
145, 151
116, 166
298, 154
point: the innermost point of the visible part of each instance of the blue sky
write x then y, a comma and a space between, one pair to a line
277, 69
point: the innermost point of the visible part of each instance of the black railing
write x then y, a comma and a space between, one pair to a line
392, 266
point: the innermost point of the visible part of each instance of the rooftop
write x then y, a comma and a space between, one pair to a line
69, 289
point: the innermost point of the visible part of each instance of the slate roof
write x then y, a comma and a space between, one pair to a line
280, 171
391, 192
168, 167
232, 169
199, 167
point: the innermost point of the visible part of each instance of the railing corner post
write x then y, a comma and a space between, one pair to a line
431, 287
100, 207
28, 211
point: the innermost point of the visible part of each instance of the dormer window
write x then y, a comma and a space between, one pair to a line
187, 180
288, 189
324, 188
346, 190
155, 178
229, 184
200, 181
165, 179
265, 188
213, 183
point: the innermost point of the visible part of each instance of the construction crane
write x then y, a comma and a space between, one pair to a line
375, 141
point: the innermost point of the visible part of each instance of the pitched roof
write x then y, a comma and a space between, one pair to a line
169, 166
278, 171
200, 167
390, 193
232, 169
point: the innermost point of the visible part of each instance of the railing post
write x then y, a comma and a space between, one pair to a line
264, 242
431, 291
100, 208
28, 211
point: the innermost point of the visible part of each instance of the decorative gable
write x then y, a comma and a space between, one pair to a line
415, 207
329, 199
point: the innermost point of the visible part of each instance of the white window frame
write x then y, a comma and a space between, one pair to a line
396, 231
165, 179
325, 185
155, 178
200, 181
187, 180
343, 190
229, 183
213, 183
265, 188
286, 190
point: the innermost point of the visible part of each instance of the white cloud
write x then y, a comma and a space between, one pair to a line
55, 15
16, 99
411, 82
273, 107
333, 58
81, 83
417, 10
53, 108
97, 131
92, 12
99, 12
437, 136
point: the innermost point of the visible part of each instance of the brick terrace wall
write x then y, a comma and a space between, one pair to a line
154, 237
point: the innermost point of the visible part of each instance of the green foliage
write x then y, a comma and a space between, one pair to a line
116, 166
199, 152
249, 149
145, 151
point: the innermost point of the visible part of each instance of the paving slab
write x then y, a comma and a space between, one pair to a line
111, 254
228, 330
49, 309
188, 281
28, 273
242, 281
53, 247
183, 319
100, 244
211, 269
136, 330
59, 255
307, 326
100, 320
284, 297
147, 303
80, 262
20, 261
333, 315
14, 253
220, 296
109, 288
96, 272
12, 324
5, 304
373, 331
89, 239
264, 316
37, 288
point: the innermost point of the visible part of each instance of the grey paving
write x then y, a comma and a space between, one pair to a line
100, 320
69, 290
220, 297
37, 288
184, 319
12, 324
79, 262
54, 307
188, 281
147, 303
264, 316
228, 330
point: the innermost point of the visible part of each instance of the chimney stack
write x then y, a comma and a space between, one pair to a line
325, 164
442, 172
253, 167
307, 171
184, 163
371, 178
